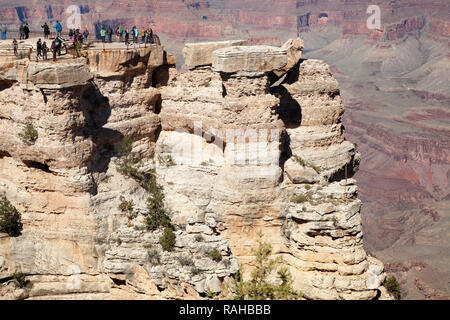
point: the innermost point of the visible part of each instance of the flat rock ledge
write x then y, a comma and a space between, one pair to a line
249, 59
200, 54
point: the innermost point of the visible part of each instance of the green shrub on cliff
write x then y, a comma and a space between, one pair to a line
258, 287
167, 240
125, 146
127, 206
129, 166
10, 219
299, 160
29, 135
129, 162
393, 287
299, 198
20, 280
215, 255
304, 163
156, 213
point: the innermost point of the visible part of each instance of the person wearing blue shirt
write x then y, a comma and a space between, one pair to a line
3, 31
58, 28
136, 35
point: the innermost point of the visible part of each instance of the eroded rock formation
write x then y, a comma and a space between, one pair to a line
248, 141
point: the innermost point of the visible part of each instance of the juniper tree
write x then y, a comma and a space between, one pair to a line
10, 219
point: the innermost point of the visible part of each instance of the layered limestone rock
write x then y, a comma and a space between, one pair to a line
237, 155
289, 180
76, 243
225, 133
323, 222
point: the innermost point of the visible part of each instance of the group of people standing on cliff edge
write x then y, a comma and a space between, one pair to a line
146, 34
143, 35
41, 49
24, 31
58, 29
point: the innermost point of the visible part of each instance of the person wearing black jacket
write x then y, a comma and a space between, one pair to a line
44, 51
109, 32
133, 33
38, 49
46, 30
127, 37
26, 31
54, 50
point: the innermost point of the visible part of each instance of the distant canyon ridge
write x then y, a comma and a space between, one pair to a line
393, 81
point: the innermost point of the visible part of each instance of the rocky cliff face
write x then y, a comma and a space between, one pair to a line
248, 141
394, 83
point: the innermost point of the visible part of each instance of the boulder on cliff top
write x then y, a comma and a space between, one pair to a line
294, 50
249, 59
200, 54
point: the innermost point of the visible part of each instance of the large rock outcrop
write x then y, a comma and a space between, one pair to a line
401, 123
236, 154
